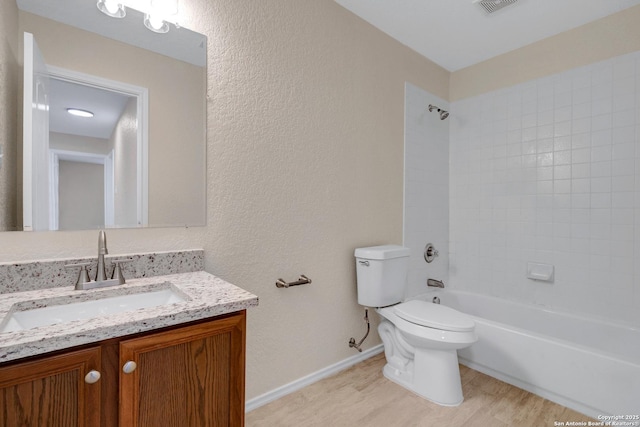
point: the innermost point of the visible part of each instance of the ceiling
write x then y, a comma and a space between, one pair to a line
107, 107
458, 33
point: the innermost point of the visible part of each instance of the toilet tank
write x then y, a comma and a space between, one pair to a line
382, 274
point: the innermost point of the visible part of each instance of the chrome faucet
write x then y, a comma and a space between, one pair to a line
101, 274
435, 283
101, 281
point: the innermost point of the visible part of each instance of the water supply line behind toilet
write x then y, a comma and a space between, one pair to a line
352, 341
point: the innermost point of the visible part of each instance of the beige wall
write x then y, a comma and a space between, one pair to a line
9, 82
85, 144
306, 129
123, 143
81, 195
304, 164
176, 164
611, 36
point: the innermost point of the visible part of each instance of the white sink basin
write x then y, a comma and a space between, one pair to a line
21, 320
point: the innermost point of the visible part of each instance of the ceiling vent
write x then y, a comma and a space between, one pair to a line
491, 6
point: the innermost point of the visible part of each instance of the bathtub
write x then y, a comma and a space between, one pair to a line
590, 366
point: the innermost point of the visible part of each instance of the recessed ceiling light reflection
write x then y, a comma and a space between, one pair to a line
80, 113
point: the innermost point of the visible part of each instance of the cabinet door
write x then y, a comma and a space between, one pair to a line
186, 377
51, 391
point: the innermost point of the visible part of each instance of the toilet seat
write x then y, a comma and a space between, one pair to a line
434, 316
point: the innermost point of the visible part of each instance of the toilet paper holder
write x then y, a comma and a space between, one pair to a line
302, 280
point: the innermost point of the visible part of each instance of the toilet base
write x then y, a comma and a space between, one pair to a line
422, 366
434, 375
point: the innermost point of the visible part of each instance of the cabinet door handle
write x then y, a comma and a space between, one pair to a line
92, 377
129, 367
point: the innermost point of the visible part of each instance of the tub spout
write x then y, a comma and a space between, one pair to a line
435, 283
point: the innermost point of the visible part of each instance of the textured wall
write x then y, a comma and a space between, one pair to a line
304, 164
306, 160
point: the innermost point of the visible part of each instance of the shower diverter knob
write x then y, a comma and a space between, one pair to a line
430, 252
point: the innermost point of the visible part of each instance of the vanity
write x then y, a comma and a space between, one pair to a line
179, 361
167, 348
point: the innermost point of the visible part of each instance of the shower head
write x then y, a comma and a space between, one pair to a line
443, 113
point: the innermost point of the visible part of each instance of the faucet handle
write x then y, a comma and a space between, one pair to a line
83, 277
430, 252
117, 271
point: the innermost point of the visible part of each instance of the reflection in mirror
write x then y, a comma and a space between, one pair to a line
140, 160
96, 162
82, 119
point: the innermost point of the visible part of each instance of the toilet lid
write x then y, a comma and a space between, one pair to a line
434, 316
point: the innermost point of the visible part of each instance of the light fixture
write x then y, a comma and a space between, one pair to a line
155, 23
112, 8
80, 113
158, 14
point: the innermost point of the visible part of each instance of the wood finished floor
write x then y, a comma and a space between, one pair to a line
361, 396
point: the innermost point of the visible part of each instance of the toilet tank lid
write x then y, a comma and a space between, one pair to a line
382, 252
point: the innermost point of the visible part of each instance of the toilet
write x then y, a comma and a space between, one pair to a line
420, 338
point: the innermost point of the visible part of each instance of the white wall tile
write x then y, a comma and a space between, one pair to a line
560, 182
426, 184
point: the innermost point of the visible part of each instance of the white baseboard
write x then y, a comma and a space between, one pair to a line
296, 385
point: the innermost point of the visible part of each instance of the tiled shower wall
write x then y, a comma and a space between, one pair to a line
426, 187
549, 171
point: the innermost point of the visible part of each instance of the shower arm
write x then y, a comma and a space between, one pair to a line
443, 113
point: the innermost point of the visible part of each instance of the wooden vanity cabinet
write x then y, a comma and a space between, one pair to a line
51, 391
185, 376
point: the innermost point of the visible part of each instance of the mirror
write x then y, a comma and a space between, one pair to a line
140, 160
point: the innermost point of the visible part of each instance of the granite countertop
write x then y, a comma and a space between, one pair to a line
205, 296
